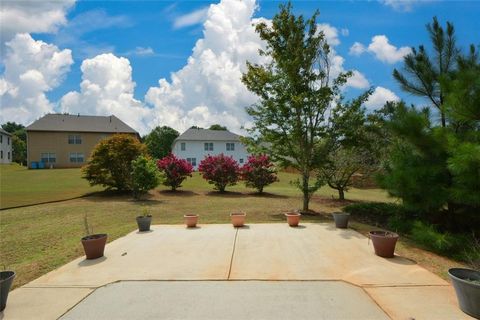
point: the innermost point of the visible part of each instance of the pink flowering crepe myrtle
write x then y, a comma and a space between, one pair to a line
258, 172
220, 170
175, 170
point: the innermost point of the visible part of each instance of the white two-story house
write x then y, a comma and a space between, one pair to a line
5, 147
194, 144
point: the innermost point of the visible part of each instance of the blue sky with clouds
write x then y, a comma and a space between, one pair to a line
106, 57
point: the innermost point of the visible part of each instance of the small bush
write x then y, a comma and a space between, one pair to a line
375, 211
442, 243
175, 170
259, 172
220, 170
399, 223
145, 176
110, 163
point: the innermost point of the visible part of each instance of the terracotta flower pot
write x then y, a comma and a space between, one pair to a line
6, 280
293, 219
144, 222
94, 245
467, 287
384, 243
238, 218
191, 220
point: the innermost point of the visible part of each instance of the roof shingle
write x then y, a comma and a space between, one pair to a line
80, 123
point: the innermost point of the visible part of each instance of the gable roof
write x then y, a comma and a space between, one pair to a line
194, 134
80, 123
5, 132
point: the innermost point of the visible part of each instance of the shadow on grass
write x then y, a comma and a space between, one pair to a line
178, 193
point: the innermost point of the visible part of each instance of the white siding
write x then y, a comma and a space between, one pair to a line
6, 149
195, 149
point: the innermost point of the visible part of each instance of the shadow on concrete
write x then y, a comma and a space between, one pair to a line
88, 263
401, 260
244, 227
193, 228
142, 232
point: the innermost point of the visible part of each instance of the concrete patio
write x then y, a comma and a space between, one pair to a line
173, 272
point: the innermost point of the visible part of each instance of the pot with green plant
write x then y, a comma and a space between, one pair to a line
6, 280
467, 283
144, 221
93, 244
384, 243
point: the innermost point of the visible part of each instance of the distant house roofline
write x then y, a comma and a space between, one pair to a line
55, 122
198, 134
5, 132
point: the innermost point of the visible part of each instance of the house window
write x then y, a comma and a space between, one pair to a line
182, 146
8, 141
192, 161
8, 155
241, 160
48, 157
208, 146
1, 154
76, 157
230, 146
74, 139
1, 138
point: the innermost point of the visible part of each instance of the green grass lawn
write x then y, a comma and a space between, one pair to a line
37, 239
20, 186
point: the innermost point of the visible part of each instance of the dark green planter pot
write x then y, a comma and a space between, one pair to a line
144, 222
6, 280
468, 292
341, 219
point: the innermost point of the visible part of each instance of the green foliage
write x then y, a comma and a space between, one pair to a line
378, 212
217, 127
422, 73
159, 141
145, 176
439, 242
110, 164
295, 91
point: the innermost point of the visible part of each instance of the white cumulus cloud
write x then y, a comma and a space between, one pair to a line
382, 49
32, 68
107, 88
379, 97
32, 16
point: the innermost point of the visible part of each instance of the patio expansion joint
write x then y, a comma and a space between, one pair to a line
233, 254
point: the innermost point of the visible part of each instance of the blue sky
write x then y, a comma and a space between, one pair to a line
157, 39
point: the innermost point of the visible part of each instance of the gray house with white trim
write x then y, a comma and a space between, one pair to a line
194, 144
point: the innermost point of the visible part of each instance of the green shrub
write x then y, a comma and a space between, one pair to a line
445, 243
145, 176
375, 211
400, 223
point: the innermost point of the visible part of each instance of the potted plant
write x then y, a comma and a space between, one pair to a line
191, 220
93, 244
384, 243
341, 219
293, 218
467, 284
238, 218
6, 280
144, 221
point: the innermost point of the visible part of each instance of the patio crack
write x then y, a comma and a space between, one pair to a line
233, 253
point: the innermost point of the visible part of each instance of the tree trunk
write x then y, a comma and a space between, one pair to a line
341, 194
306, 194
